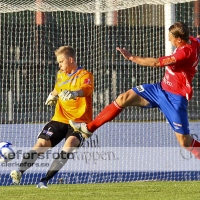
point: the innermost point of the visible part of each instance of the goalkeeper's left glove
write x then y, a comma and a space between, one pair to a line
67, 95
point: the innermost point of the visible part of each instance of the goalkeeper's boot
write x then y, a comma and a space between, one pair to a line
16, 177
42, 184
82, 128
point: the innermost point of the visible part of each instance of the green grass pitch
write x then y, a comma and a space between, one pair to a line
152, 190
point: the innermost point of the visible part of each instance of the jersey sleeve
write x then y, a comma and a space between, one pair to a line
87, 83
176, 58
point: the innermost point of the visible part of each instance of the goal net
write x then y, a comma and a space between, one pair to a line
139, 144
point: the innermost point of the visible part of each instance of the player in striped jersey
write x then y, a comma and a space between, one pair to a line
171, 95
72, 96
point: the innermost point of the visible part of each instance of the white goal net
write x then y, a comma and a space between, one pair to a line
139, 144
83, 6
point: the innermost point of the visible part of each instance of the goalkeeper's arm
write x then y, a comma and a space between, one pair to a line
67, 95
52, 98
86, 88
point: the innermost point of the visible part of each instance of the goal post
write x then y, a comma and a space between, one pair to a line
138, 144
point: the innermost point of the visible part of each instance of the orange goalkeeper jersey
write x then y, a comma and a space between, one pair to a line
80, 109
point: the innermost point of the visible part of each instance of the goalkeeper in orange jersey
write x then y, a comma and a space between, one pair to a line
72, 96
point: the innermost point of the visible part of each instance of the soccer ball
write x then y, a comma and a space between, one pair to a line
6, 152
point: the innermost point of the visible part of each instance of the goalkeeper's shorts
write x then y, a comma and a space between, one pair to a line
173, 106
57, 131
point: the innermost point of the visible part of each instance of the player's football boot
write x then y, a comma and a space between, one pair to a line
16, 177
82, 128
42, 184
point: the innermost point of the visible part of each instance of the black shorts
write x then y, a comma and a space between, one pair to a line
57, 131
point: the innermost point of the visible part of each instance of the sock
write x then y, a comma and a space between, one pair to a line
107, 114
56, 165
195, 148
28, 160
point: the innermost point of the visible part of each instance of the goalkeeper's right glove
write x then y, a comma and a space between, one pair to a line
51, 100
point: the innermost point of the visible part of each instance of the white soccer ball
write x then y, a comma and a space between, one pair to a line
6, 152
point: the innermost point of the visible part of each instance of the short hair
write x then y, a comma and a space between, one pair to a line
67, 51
180, 29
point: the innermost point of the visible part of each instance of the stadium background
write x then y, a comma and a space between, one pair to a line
28, 49
28, 70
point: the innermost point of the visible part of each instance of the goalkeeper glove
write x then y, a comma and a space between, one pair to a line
51, 100
67, 95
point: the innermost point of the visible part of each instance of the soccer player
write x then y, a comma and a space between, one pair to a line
72, 96
171, 95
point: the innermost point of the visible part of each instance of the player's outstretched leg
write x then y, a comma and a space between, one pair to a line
16, 177
81, 127
107, 114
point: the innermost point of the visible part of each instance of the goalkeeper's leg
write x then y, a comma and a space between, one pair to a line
56, 165
29, 159
71, 143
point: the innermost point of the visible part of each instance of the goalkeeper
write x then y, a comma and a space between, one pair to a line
171, 95
72, 96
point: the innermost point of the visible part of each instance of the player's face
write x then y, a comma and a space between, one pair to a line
64, 63
174, 41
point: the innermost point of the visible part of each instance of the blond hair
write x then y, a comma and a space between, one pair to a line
67, 51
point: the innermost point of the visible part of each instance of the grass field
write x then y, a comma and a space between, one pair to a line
186, 190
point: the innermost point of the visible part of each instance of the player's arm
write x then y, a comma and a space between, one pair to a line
87, 84
86, 88
151, 62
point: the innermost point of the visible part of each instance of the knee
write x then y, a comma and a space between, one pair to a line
121, 99
42, 146
43, 143
71, 142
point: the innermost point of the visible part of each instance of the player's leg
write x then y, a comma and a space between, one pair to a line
189, 143
174, 108
44, 142
129, 98
29, 159
73, 140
